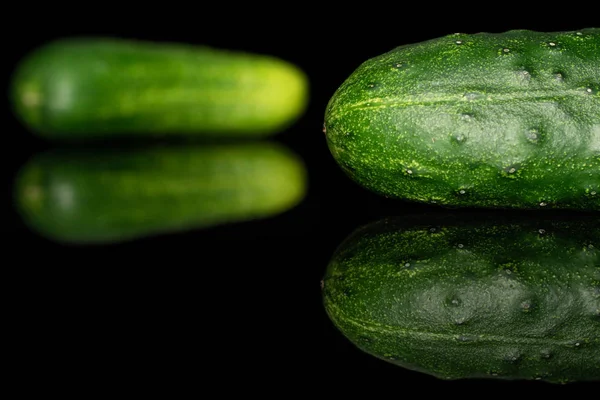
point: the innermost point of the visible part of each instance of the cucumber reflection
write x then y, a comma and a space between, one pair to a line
114, 194
473, 295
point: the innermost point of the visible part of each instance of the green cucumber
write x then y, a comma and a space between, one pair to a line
473, 296
90, 87
490, 120
113, 195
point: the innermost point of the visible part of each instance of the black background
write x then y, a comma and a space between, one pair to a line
238, 307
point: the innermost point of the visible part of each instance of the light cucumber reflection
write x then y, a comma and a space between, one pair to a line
472, 295
109, 195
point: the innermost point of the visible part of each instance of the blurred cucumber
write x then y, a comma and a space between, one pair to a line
108, 195
91, 87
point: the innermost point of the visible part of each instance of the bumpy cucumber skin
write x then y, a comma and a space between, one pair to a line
460, 297
102, 196
81, 88
493, 120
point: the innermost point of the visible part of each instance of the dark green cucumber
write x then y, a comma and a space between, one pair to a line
80, 88
87, 196
473, 296
491, 120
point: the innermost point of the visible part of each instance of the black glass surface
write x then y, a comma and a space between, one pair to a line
238, 307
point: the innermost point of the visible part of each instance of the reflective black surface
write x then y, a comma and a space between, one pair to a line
238, 303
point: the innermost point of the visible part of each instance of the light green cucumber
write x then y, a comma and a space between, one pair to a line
97, 87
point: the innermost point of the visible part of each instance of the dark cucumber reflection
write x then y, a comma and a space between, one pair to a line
109, 195
473, 295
